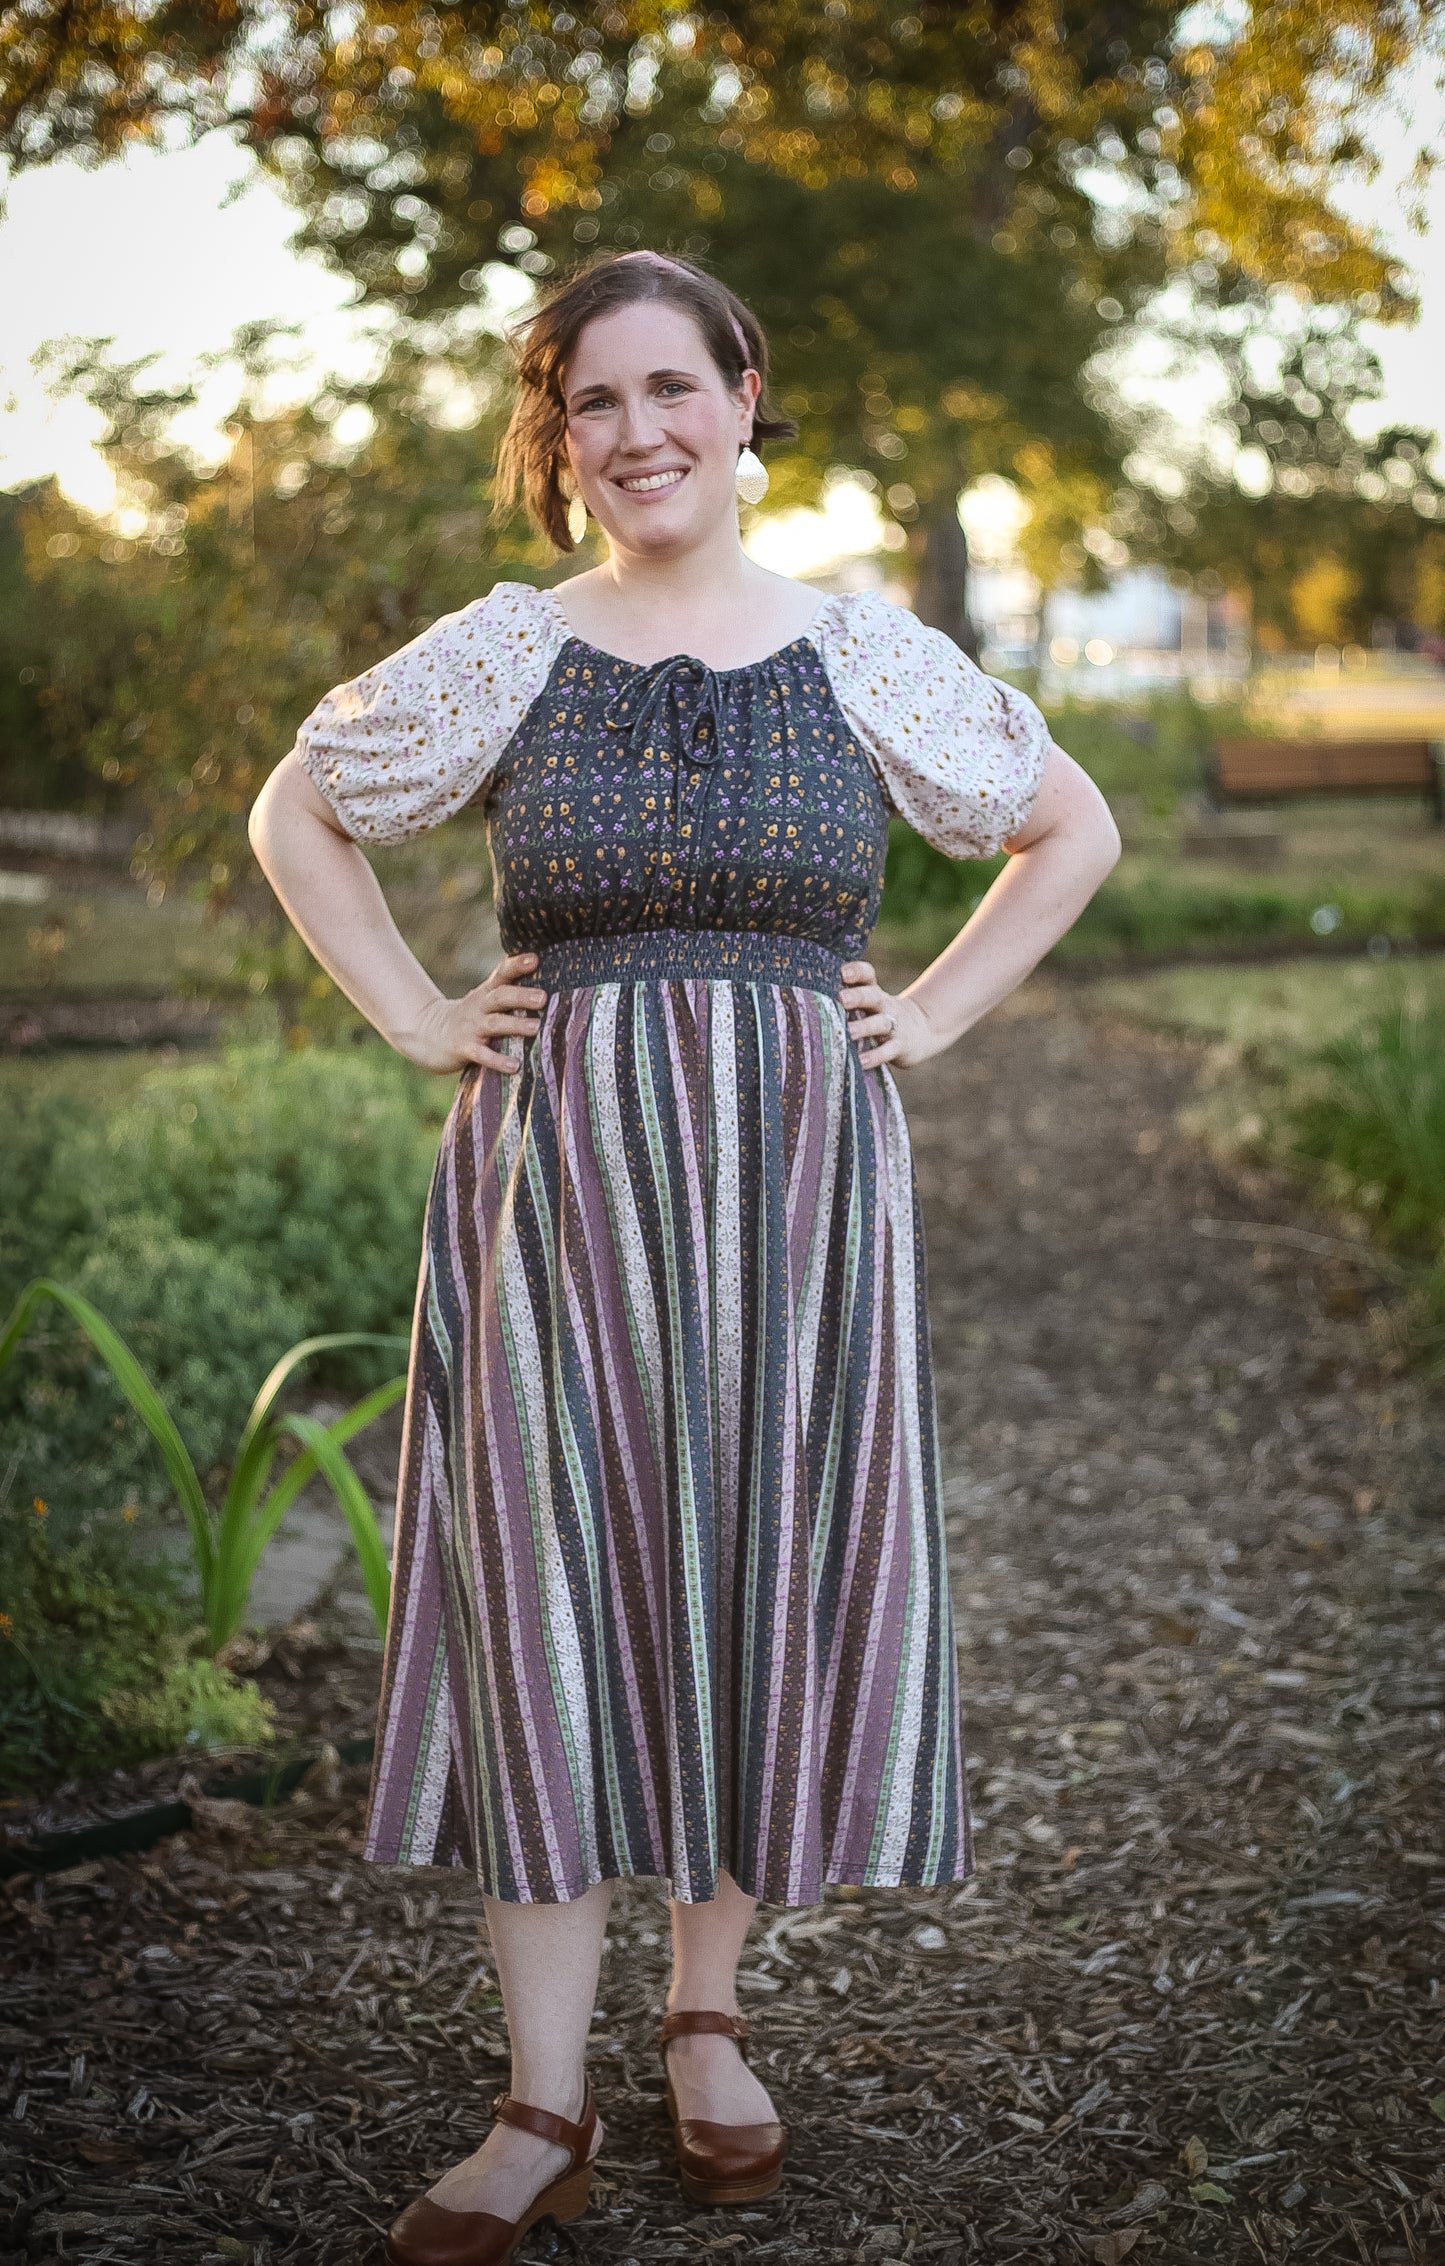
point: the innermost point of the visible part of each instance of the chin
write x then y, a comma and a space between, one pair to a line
673, 525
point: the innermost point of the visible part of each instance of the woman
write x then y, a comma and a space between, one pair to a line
670, 1591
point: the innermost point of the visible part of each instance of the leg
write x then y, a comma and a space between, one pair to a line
548, 1956
709, 2075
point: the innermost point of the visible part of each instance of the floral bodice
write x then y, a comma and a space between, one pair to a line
624, 798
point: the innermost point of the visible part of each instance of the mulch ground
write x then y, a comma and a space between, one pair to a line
1189, 2009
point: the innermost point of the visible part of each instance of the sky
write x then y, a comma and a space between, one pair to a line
168, 253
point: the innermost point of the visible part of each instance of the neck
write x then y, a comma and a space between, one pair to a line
705, 578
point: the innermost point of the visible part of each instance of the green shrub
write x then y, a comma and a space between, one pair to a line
97, 1659
217, 1216
1149, 906
1371, 1118
204, 1322
1376, 1121
1158, 753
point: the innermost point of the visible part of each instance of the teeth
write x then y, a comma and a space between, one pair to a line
651, 480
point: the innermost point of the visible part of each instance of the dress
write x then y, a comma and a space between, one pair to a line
670, 1590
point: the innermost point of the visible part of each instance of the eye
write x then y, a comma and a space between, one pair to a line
674, 385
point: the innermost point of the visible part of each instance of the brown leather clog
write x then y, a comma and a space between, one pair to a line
721, 2163
428, 2234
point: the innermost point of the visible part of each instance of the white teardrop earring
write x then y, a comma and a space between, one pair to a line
577, 520
752, 478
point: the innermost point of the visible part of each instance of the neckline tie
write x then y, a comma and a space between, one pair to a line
694, 748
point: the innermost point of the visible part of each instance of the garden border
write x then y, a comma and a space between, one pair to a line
135, 1830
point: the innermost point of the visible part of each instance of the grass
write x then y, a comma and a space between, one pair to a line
1336, 1071
1354, 871
111, 940
1291, 1009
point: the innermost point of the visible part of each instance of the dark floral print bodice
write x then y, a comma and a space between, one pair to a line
684, 798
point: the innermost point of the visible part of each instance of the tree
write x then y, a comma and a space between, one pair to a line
979, 190
1237, 123
253, 586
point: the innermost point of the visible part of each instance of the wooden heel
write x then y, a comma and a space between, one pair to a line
569, 2198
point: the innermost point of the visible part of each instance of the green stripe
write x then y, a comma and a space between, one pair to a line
413, 1797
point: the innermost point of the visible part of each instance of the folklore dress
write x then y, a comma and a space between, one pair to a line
670, 1591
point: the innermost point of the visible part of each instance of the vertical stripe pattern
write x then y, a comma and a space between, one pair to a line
670, 1590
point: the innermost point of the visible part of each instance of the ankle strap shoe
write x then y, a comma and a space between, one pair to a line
720, 2163
428, 2234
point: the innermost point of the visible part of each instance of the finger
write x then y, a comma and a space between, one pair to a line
512, 995
865, 997
488, 1058
880, 1026
886, 1050
517, 1026
515, 964
858, 972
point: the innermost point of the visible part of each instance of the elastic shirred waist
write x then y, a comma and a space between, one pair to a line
675, 955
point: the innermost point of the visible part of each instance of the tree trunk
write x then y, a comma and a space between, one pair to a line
939, 548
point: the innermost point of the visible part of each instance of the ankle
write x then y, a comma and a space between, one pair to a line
560, 2096
709, 1999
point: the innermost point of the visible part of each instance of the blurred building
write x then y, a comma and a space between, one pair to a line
1142, 634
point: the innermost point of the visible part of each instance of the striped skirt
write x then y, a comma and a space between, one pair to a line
670, 1592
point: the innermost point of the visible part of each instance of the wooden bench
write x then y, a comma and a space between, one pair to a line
1269, 770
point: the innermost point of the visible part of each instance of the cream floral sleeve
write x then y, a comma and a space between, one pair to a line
409, 742
959, 755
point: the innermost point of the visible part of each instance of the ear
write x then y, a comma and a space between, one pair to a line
750, 385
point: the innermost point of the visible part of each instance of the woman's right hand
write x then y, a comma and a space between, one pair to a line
451, 1033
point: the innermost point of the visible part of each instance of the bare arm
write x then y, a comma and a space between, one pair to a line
1056, 862
335, 902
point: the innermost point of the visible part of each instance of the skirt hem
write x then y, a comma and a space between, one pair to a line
852, 1877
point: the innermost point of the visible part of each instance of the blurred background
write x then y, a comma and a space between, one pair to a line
1114, 353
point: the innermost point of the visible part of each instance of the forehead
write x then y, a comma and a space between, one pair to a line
630, 341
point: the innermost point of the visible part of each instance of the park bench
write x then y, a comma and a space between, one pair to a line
1271, 770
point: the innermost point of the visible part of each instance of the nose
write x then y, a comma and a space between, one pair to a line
640, 427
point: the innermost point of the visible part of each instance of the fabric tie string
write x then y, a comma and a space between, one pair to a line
693, 747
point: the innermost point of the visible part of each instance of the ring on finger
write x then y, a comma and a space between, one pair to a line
891, 1024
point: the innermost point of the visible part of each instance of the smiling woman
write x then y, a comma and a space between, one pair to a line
722, 353
670, 1590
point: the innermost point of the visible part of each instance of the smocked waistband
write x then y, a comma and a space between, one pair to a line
675, 955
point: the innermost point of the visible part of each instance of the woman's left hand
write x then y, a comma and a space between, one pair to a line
886, 1026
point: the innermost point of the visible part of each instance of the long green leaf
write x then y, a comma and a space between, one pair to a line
245, 1487
356, 1504
288, 1487
146, 1402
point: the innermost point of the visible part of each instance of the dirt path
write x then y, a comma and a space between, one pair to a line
1188, 2010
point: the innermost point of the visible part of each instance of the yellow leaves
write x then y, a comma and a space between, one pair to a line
1034, 461
1321, 597
969, 404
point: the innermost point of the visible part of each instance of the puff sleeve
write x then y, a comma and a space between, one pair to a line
959, 755
407, 743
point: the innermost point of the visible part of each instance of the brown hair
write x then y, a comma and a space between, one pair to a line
532, 453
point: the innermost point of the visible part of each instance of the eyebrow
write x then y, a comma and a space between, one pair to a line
601, 385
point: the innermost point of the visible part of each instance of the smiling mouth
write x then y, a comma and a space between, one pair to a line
653, 483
